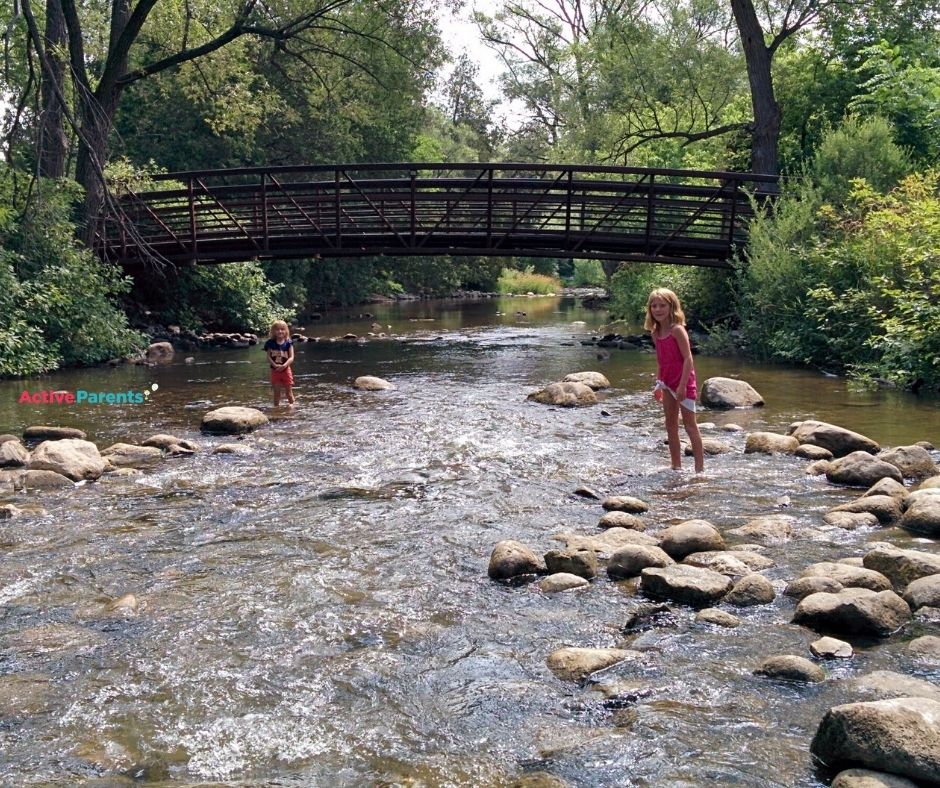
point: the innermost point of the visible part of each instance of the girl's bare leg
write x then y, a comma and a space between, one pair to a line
695, 438
671, 412
277, 395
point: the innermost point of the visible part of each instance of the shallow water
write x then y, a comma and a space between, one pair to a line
318, 612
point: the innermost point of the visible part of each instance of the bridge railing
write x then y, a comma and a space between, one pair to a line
407, 209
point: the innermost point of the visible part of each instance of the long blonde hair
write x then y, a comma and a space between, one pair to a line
677, 316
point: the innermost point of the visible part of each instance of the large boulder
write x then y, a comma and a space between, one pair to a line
860, 469
582, 563
371, 383
924, 592
838, 440
751, 590
727, 393
912, 461
923, 516
159, 353
899, 735
688, 585
901, 566
575, 664
73, 458
887, 486
886, 508
768, 529
44, 480
43, 432
854, 611
593, 379
125, 454
725, 562
511, 558
631, 560
789, 667
565, 395
691, 536
885, 684
769, 443
849, 576
13, 454
232, 420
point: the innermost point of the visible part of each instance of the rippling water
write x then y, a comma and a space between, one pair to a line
318, 612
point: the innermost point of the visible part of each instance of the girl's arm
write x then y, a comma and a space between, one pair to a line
682, 340
290, 356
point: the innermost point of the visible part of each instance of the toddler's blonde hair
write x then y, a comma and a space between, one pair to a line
276, 325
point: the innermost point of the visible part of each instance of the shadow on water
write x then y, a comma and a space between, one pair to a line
317, 611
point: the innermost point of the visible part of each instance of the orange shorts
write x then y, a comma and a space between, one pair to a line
282, 377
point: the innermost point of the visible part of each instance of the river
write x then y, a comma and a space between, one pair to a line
318, 612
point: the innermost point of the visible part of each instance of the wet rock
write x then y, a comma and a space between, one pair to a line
923, 592
923, 516
646, 616
605, 543
576, 664
233, 420
179, 451
770, 529
588, 492
624, 503
47, 433
866, 778
854, 611
888, 684
749, 556
721, 618
125, 605
8, 511
687, 585
810, 452
727, 393
511, 558
594, 380
789, 667
926, 646
71, 457
565, 395
890, 487
371, 383
159, 353
622, 520
911, 498
561, 581
164, 442
912, 461
817, 468
725, 562
831, 648
849, 576
928, 484
751, 590
838, 440
850, 521
7, 437
692, 536
769, 443
860, 469
884, 507
44, 480
13, 454
631, 560
582, 563
124, 454
901, 566
928, 614
711, 447
900, 736
231, 448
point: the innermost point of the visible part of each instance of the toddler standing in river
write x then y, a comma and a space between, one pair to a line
280, 352
675, 380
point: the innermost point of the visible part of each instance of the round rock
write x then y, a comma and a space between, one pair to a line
624, 503
371, 383
594, 380
618, 519
831, 648
692, 536
565, 395
511, 558
233, 420
789, 667
728, 393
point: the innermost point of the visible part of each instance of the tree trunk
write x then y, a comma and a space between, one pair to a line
766, 133
53, 141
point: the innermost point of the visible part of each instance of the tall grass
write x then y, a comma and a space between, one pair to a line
522, 282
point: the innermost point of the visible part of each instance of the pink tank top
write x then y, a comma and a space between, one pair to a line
669, 359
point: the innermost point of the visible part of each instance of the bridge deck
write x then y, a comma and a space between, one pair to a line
434, 209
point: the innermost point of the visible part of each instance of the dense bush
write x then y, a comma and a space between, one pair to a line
58, 302
521, 282
853, 287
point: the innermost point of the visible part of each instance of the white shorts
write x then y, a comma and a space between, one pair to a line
687, 403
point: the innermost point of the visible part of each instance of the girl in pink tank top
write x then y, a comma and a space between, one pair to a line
675, 383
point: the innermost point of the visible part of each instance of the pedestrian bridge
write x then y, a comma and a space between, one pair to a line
506, 209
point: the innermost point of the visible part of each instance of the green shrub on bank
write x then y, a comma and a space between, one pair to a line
588, 273
706, 294
58, 302
512, 281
